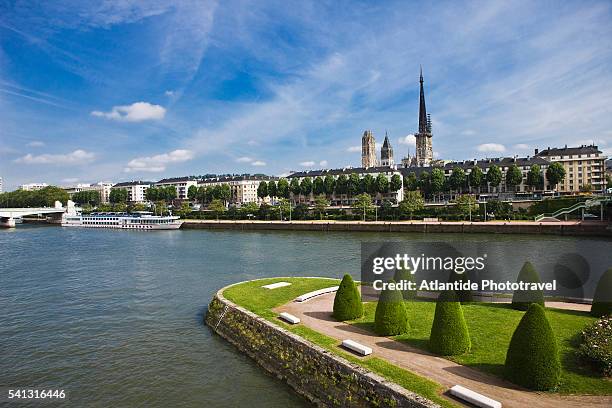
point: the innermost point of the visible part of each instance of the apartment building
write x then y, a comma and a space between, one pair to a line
33, 186
136, 190
181, 184
243, 188
584, 166
103, 188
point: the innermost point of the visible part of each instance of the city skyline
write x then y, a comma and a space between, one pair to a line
146, 91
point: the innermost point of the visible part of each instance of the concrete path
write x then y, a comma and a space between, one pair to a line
316, 314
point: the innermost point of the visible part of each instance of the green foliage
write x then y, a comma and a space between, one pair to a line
341, 185
602, 299
467, 204
457, 178
329, 184
396, 182
391, 317
521, 299
436, 181
347, 303
476, 177
300, 212
91, 197
262, 189
282, 188
514, 176
320, 205
271, 188
368, 185
413, 201
410, 182
494, 176
533, 358
362, 204
405, 275
555, 173
596, 346
534, 176
463, 296
353, 184
382, 184
306, 186
295, 187
192, 192
217, 207
317, 186
118, 196
45, 197
449, 332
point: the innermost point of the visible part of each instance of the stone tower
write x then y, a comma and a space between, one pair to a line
424, 150
368, 150
386, 153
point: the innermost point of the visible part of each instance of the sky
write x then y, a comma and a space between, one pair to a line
128, 90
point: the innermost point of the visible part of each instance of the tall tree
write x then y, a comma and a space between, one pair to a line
555, 173
262, 190
341, 188
329, 184
306, 187
436, 182
282, 188
320, 205
272, 189
396, 183
476, 178
514, 176
217, 207
317, 186
368, 185
192, 192
152, 194
425, 183
353, 184
118, 196
534, 177
295, 188
494, 176
363, 203
412, 202
457, 179
382, 184
410, 182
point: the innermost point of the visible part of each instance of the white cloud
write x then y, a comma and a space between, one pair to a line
251, 161
76, 157
136, 112
308, 163
258, 163
521, 146
169, 93
35, 143
408, 140
158, 162
244, 159
323, 163
491, 147
354, 149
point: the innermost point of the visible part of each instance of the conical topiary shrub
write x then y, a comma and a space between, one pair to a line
523, 298
533, 358
464, 296
405, 275
449, 332
602, 299
391, 317
347, 303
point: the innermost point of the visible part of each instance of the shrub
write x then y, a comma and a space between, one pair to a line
449, 332
532, 359
596, 347
463, 296
523, 298
391, 317
347, 303
602, 300
405, 275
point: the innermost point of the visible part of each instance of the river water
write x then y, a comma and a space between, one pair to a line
115, 317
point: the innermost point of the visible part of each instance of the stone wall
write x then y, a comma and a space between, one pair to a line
323, 378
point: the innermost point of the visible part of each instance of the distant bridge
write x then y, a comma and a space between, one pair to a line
8, 215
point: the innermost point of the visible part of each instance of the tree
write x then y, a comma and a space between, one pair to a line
217, 207
391, 317
514, 176
249, 210
382, 184
402, 274
347, 302
262, 190
413, 201
341, 188
396, 183
271, 188
363, 202
317, 186
352, 184
329, 184
436, 181
368, 185
457, 178
282, 188
264, 211
602, 299
425, 183
306, 187
225, 193
192, 193
168, 193
118, 195
555, 173
532, 359
476, 178
90, 197
521, 299
449, 332
295, 188
534, 176
283, 208
466, 205
321, 204
152, 194
410, 182
494, 176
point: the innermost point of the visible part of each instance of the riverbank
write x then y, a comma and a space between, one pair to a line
567, 228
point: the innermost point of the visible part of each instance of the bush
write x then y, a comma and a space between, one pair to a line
596, 347
449, 332
391, 317
463, 296
602, 299
532, 359
523, 298
405, 275
347, 303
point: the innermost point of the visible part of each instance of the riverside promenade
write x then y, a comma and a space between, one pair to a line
569, 228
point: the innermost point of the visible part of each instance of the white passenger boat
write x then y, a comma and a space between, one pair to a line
142, 220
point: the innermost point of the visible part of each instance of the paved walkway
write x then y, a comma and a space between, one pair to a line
316, 314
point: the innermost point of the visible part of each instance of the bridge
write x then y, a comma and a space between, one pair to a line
8, 215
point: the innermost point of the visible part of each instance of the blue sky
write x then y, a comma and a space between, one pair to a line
93, 91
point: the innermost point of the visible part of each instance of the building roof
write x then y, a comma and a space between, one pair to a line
177, 179
226, 179
133, 183
562, 151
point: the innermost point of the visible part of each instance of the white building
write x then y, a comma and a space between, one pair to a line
243, 188
33, 186
103, 188
181, 184
136, 190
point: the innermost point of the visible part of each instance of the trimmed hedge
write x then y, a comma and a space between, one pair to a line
464, 296
347, 303
532, 359
596, 347
391, 317
404, 274
449, 332
521, 299
602, 299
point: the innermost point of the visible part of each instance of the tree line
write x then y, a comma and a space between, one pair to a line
45, 197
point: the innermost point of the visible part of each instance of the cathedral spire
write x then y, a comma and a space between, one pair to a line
423, 128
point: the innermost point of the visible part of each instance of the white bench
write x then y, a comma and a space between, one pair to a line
289, 318
276, 285
319, 292
474, 398
356, 347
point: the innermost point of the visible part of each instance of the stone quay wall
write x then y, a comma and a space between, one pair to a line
325, 379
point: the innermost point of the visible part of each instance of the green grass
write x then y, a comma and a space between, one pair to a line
260, 301
491, 327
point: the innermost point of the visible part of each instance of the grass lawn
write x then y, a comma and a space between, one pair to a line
491, 327
260, 301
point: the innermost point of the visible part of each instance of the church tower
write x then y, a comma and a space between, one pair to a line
386, 153
368, 150
424, 150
